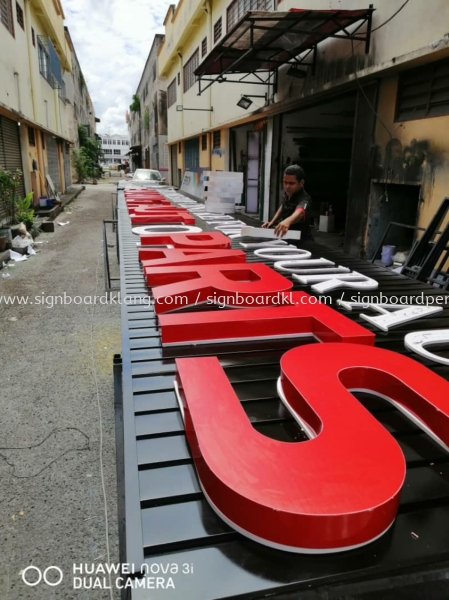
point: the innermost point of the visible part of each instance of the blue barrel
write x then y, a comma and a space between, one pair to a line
387, 255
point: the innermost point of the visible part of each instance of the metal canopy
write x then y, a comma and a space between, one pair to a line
262, 41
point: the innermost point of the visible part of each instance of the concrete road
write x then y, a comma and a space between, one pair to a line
55, 372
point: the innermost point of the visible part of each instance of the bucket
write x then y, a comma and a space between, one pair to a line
43, 201
387, 255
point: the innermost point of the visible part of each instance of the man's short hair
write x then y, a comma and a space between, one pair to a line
295, 170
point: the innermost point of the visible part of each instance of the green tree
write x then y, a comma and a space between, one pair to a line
135, 105
80, 162
89, 155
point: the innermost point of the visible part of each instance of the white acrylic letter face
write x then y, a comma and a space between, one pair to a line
352, 280
398, 317
230, 225
259, 232
158, 229
297, 266
269, 244
417, 341
291, 252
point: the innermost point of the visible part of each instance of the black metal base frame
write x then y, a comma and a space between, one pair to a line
163, 515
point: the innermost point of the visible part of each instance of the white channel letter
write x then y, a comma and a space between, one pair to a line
418, 340
291, 252
269, 244
326, 283
296, 266
398, 317
158, 229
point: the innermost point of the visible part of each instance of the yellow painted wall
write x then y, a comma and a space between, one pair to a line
432, 132
185, 30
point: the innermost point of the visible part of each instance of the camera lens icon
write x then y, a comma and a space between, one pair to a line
33, 576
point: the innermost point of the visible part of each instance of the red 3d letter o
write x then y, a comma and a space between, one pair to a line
336, 491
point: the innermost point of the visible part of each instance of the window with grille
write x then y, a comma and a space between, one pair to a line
179, 147
19, 15
423, 92
238, 8
204, 142
44, 60
217, 30
204, 47
31, 137
179, 78
171, 93
33, 37
217, 139
6, 15
189, 70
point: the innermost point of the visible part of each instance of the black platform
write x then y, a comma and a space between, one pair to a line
164, 517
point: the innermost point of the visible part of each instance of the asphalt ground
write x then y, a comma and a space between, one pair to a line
55, 371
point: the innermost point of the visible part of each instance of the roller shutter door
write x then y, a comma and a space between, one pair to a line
53, 161
10, 153
67, 168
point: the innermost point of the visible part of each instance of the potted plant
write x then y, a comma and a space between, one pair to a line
24, 213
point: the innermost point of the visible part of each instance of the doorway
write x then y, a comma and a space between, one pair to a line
319, 138
174, 164
392, 203
253, 172
192, 153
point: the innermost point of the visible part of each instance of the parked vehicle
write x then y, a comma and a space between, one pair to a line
150, 175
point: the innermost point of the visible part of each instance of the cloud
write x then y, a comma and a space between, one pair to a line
112, 40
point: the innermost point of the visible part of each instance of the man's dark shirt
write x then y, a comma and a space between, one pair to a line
299, 199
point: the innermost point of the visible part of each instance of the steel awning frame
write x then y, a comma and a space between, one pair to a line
253, 32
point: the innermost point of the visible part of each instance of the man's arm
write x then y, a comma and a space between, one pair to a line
282, 228
275, 218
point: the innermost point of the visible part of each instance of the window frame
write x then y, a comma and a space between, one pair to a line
44, 65
189, 77
19, 16
216, 139
218, 30
172, 95
31, 137
241, 7
8, 21
408, 79
204, 47
204, 141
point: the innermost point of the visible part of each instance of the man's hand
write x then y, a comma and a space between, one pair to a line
282, 228
267, 224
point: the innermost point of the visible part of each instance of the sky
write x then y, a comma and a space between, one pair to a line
112, 40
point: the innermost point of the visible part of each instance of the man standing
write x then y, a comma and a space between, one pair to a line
294, 211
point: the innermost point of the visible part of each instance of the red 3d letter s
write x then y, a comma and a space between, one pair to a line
339, 489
